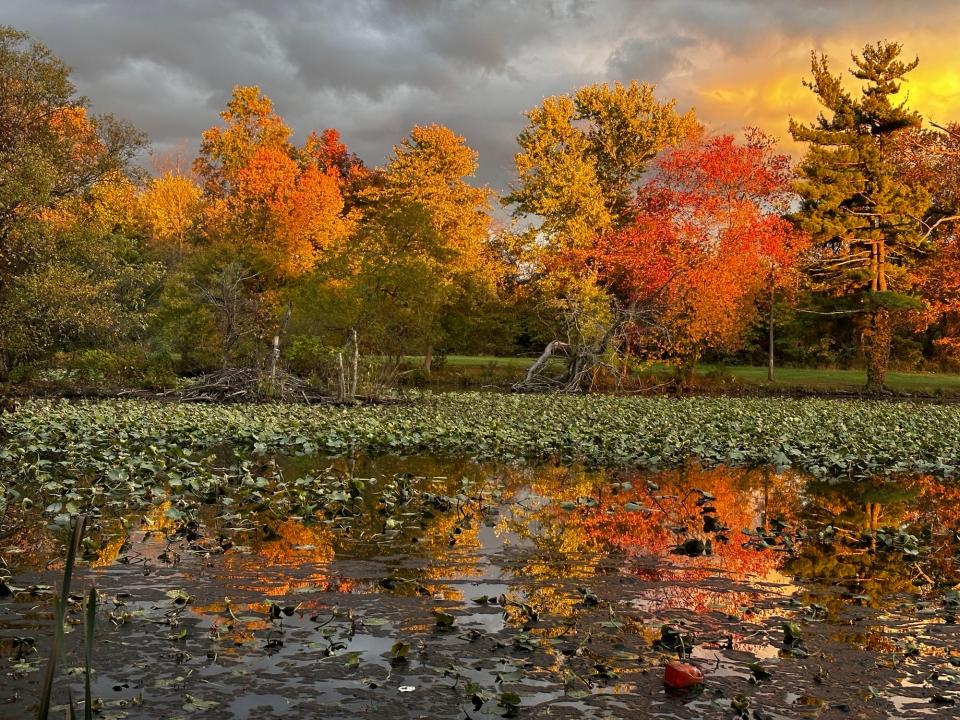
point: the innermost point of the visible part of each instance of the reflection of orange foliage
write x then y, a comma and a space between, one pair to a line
648, 533
450, 551
938, 501
27, 542
577, 538
295, 545
155, 524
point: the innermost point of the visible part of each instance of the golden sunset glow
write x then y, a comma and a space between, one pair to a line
764, 88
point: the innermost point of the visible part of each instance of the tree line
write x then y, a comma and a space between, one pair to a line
636, 235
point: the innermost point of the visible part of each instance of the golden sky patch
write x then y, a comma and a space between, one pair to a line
764, 87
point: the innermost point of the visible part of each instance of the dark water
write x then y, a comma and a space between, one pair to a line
566, 587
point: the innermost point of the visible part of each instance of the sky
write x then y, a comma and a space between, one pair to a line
375, 68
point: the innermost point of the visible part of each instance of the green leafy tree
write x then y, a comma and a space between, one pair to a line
63, 263
861, 212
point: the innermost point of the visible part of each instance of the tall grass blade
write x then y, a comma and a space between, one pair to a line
59, 615
88, 624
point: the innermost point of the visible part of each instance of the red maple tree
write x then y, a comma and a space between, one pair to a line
707, 236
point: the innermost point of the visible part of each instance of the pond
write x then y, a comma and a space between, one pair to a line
423, 587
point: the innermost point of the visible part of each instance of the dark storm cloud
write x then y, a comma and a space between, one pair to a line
373, 68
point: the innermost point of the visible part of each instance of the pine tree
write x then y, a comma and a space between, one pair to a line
862, 214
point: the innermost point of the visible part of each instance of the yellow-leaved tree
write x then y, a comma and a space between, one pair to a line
170, 208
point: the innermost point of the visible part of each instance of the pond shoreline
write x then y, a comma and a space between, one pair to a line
15, 393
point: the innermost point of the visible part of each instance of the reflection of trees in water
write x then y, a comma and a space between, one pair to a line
627, 527
878, 540
444, 539
27, 542
631, 524
297, 556
636, 525
154, 526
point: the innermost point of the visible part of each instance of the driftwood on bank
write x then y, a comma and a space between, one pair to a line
581, 363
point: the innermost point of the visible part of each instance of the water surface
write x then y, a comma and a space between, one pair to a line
421, 587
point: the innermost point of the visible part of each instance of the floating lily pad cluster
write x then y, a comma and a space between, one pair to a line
128, 441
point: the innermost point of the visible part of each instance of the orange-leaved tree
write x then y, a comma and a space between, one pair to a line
271, 211
581, 158
930, 158
707, 236
265, 193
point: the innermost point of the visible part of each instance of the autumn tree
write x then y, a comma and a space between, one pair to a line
581, 158
271, 209
61, 268
864, 216
430, 170
583, 154
171, 209
706, 237
930, 158
421, 251
266, 194
332, 157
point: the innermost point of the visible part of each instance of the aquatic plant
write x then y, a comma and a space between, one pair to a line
125, 442
59, 616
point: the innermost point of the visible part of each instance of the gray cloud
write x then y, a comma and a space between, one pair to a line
650, 58
373, 68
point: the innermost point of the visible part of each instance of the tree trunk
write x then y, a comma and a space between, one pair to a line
274, 357
877, 338
428, 360
553, 347
355, 364
275, 353
686, 372
582, 363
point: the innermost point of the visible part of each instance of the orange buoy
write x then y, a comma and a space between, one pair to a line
681, 675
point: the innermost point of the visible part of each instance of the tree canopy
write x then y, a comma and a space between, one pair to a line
637, 235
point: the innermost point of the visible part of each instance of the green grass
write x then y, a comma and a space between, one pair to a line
478, 361
837, 380
784, 378
847, 379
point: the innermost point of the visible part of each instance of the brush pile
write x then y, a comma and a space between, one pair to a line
243, 385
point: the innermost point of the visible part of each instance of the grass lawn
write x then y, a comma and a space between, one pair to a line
785, 378
847, 379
